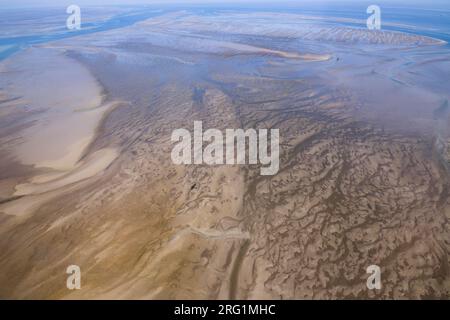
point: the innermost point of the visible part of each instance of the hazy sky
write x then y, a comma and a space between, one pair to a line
26, 3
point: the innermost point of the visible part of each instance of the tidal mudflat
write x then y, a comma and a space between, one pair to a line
87, 179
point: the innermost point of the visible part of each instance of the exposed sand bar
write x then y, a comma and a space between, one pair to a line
64, 102
95, 163
63, 106
46, 187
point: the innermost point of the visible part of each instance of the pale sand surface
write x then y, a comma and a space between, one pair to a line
57, 88
90, 166
66, 107
37, 193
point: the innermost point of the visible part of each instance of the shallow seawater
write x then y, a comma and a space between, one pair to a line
46, 25
41, 30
